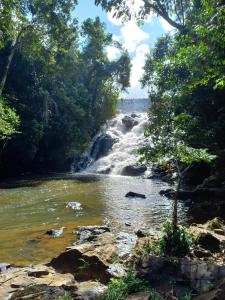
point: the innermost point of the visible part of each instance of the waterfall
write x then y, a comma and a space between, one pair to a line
114, 148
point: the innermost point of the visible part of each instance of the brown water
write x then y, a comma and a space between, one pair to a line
30, 207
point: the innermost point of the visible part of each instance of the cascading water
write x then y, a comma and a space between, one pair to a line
113, 150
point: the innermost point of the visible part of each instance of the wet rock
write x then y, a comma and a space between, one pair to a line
168, 193
128, 224
104, 171
138, 296
4, 267
133, 170
125, 242
134, 195
207, 241
74, 205
129, 122
140, 233
89, 233
55, 232
102, 146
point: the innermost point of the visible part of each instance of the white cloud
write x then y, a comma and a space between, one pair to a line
112, 52
165, 25
138, 62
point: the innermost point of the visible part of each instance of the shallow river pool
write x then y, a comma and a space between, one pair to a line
28, 208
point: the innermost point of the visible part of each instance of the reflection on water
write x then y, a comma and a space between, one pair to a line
30, 207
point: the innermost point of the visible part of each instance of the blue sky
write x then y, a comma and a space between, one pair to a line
137, 40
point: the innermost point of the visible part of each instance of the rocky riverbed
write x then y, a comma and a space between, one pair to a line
85, 268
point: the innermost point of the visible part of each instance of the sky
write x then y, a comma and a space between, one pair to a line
137, 40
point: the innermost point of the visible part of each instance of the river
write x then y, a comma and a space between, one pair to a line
29, 207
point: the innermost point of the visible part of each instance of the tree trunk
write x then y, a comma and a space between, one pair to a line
175, 203
9, 61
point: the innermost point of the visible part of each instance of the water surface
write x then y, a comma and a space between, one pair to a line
30, 207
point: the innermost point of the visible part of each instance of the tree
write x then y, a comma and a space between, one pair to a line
167, 143
185, 78
173, 11
51, 20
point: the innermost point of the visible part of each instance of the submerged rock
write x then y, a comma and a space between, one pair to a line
89, 233
55, 232
133, 170
134, 195
168, 193
74, 205
4, 267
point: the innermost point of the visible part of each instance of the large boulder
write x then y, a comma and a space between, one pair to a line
133, 170
102, 146
207, 241
94, 256
129, 122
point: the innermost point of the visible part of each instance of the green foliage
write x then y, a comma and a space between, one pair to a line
185, 74
9, 121
66, 297
173, 243
118, 289
63, 88
84, 264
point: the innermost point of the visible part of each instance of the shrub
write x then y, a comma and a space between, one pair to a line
118, 289
172, 243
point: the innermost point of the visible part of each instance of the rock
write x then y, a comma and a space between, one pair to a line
207, 241
201, 253
128, 224
125, 242
129, 122
38, 292
104, 171
139, 296
116, 270
89, 233
74, 205
140, 233
90, 290
188, 274
38, 273
55, 232
4, 267
215, 223
88, 261
168, 193
134, 195
102, 146
23, 278
133, 170
219, 231
217, 293
133, 115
